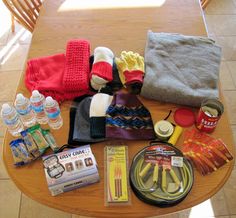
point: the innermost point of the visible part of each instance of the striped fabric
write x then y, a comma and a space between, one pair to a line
127, 118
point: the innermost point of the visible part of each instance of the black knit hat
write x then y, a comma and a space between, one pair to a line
97, 113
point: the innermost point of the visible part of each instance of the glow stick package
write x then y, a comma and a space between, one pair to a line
116, 175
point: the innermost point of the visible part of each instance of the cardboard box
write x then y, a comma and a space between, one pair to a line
70, 169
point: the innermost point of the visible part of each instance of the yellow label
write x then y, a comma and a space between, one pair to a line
117, 189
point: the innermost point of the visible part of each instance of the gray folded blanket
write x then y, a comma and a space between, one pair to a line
181, 69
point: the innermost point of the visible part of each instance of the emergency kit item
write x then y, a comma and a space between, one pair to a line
36, 133
101, 72
175, 136
30, 144
24, 109
62, 77
11, 119
19, 152
50, 140
37, 101
131, 70
207, 153
116, 176
116, 83
111, 86
70, 169
160, 175
45, 75
79, 133
181, 69
76, 75
163, 129
127, 118
184, 117
53, 167
209, 115
53, 112
97, 113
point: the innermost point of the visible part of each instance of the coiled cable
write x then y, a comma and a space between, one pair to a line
155, 190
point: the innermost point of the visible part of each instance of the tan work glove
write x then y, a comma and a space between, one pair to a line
131, 70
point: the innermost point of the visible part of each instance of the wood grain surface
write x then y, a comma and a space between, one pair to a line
119, 27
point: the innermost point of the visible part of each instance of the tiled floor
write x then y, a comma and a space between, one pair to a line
221, 21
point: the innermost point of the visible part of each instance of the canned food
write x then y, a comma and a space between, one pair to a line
209, 115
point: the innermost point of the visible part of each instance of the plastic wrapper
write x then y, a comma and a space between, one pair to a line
36, 133
30, 144
207, 153
20, 154
50, 139
161, 175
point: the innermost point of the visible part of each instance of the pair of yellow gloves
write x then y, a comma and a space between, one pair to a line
131, 70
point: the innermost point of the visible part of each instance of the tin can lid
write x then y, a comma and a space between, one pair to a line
184, 117
214, 103
163, 128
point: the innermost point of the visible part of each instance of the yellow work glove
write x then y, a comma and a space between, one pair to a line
131, 67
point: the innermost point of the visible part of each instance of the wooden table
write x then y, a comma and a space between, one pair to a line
119, 28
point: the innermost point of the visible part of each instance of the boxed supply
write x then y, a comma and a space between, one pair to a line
70, 169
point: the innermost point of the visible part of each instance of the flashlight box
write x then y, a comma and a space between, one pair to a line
70, 169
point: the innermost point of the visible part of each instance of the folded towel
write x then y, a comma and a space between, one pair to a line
181, 69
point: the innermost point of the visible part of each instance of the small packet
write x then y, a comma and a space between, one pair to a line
20, 154
30, 144
36, 133
207, 153
116, 175
50, 139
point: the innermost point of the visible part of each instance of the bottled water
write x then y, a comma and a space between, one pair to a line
24, 108
53, 112
11, 118
37, 101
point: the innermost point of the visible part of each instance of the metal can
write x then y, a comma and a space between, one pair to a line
209, 114
163, 129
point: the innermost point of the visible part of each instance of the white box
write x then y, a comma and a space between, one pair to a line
70, 169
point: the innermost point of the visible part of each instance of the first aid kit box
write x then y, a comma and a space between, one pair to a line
70, 169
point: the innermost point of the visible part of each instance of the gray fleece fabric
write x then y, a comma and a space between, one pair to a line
181, 69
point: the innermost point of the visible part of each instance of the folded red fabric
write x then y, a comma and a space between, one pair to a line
76, 76
62, 77
45, 74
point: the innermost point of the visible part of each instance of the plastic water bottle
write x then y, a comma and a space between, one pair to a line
53, 112
24, 109
11, 118
37, 101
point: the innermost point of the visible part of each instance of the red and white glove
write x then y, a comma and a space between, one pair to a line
101, 72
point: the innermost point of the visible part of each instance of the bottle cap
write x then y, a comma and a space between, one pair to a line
35, 93
20, 97
6, 108
49, 100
